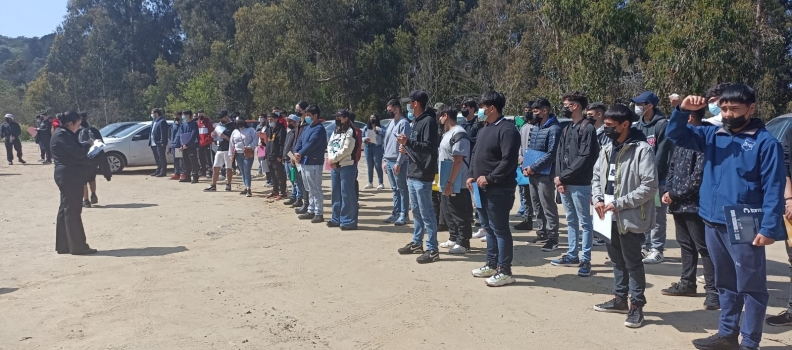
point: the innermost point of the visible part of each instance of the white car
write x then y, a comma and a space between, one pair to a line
131, 147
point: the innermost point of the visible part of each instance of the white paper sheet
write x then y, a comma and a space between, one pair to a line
372, 136
603, 226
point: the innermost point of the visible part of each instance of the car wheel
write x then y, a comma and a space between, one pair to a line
116, 161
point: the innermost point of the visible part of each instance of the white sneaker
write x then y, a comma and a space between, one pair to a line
483, 239
484, 271
380, 187
654, 257
368, 186
447, 244
499, 280
644, 252
700, 279
458, 249
480, 233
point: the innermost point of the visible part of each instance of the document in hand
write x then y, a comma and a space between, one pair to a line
522, 180
742, 223
531, 156
603, 226
97, 147
371, 135
177, 153
445, 173
291, 156
219, 130
476, 195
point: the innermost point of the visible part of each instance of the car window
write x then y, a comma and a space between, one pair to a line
116, 130
132, 128
143, 134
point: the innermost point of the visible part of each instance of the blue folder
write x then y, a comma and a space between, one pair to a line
522, 180
476, 195
531, 156
445, 173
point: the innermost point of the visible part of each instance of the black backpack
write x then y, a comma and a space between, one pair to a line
462, 136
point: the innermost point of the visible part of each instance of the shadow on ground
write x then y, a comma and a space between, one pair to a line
8, 290
148, 251
125, 206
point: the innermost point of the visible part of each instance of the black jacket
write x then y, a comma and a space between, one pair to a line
288, 146
496, 155
423, 145
578, 149
276, 140
655, 132
10, 129
44, 131
684, 180
70, 157
472, 127
544, 138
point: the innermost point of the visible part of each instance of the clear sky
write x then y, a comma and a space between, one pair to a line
31, 17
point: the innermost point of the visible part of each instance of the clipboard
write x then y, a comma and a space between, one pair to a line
604, 226
372, 136
291, 156
177, 153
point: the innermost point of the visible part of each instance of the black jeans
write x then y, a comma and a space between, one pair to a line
205, 159
458, 215
190, 157
628, 267
690, 236
439, 208
278, 177
160, 158
10, 147
69, 231
46, 151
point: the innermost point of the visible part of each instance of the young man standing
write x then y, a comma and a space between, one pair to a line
310, 151
681, 194
421, 149
291, 139
742, 144
455, 148
222, 158
578, 150
624, 186
10, 131
175, 143
494, 171
526, 204
395, 162
541, 172
297, 198
653, 125
44, 137
472, 124
190, 147
595, 112
158, 140
276, 140
205, 129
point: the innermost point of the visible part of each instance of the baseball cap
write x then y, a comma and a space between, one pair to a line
419, 96
294, 118
342, 113
646, 97
438, 106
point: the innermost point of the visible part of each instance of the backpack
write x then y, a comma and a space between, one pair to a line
462, 136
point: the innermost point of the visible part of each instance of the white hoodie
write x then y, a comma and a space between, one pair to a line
340, 148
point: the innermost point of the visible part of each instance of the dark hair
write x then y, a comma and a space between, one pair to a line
620, 113
303, 105
376, 121
577, 97
394, 103
222, 113
699, 114
276, 108
542, 103
272, 115
68, 117
313, 109
179, 113
84, 115
343, 128
598, 106
716, 90
188, 112
241, 122
470, 104
262, 115
529, 104
157, 111
200, 111
493, 98
450, 111
739, 93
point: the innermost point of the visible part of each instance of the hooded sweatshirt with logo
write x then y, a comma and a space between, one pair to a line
746, 168
655, 132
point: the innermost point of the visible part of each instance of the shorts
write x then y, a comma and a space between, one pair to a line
91, 173
222, 159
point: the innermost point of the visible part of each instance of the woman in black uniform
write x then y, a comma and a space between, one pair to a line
71, 169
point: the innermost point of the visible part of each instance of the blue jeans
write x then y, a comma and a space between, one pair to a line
398, 183
496, 204
244, 164
521, 212
312, 179
344, 196
423, 213
296, 185
577, 206
741, 280
374, 160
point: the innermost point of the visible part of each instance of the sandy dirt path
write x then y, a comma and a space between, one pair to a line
183, 269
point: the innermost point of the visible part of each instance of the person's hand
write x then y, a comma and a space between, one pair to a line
666, 199
761, 241
469, 184
402, 149
169, 151
298, 157
334, 165
448, 190
599, 209
183, 147
11, 138
280, 160
482, 182
377, 128
367, 140
528, 171
402, 139
520, 160
557, 182
675, 100
561, 189
693, 103
214, 134
384, 166
788, 209
397, 169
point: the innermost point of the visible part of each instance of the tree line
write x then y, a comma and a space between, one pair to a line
119, 59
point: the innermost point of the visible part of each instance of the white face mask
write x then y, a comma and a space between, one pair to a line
639, 110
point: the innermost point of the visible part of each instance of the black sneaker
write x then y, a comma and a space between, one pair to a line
782, 319
289, 202
527, 225
297, 204
22, 161
303, 210
186, 179
680, 290
428, 256
332, 223
94, 198
194, 180
317, 219
476, 224
550, 245
210, 189
635, 317
306, 216
539, 239
615, 305
244, 192
228, 187
154, 174
717, 342
86, 204
712, 302
249, 193
411, 248
348, 228
442, 228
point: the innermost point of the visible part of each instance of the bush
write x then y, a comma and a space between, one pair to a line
25, 135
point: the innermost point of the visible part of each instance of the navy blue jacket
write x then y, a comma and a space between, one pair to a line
746, 168
159, 131
192, 129
175, 136
544, 138
312, 145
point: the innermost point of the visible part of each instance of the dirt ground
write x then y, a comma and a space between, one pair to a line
183, 269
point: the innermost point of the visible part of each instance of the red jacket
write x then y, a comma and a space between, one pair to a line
205, 128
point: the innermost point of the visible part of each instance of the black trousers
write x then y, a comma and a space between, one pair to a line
690, 236
629, 276
69, 231
439, 209
190, 157
46, 151
11, 146
458, 216
278, 172
205, 159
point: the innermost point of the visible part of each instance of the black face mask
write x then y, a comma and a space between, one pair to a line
465, 113
611, 133
391, 115
292, 126
528, 116
566, 112
338, 122
735, 123
201, 117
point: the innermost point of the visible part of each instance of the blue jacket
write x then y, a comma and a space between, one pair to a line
159, 131
756, 156
192, 129
544, 138
175, 136
312, 144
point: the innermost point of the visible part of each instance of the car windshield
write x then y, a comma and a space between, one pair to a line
128, 130
114, 130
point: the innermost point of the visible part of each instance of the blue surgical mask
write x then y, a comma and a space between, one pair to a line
272, 125
152, 116
409, 109
714, 109
480, 113
184, 116
410, 116
308, 120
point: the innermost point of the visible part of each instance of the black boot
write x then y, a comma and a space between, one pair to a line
297, 204
527, 225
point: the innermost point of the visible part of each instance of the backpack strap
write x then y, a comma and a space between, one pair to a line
456, 138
